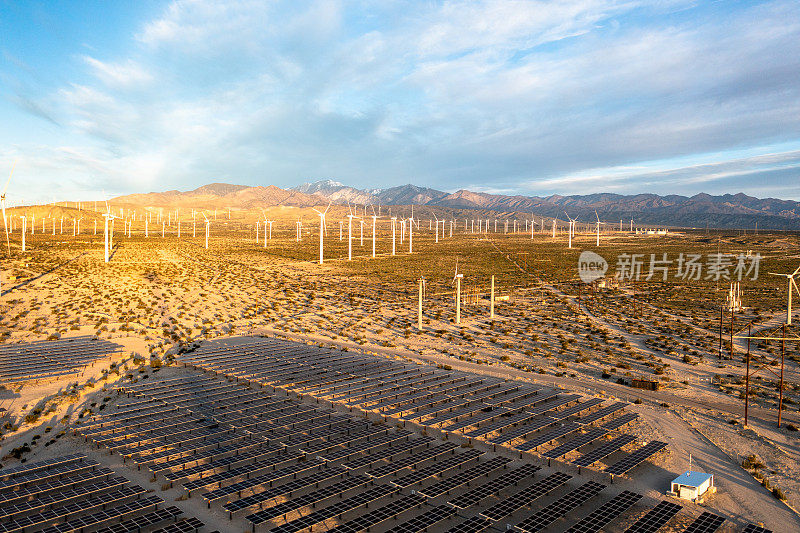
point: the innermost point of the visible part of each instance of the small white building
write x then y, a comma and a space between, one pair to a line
692, 485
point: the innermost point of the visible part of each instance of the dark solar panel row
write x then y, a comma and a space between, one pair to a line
705, 523
606, 449
338, 508
476, 472
522, 431
601, 413
575, 409
549, 514
425, 520
476, 524
286, 490
61, 484
636, 457
187, 525
656, 518
306, 500
618, 422
388, 453
264, 479
456, 461
373, 518
149, 520
480, 493
415, 459
553, 434
581, 440
607, 512
7, 473
526, 496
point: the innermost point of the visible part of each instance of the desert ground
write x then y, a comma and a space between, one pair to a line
161, 295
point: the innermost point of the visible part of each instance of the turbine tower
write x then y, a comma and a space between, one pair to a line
322, 229
791, 284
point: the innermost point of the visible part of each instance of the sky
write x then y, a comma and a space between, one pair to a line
105, 98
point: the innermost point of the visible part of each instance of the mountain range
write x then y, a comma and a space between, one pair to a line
701, 210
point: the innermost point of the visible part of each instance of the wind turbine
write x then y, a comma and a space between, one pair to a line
208, 228
322, 229
411, 231
598, 227
374, 218
394, 240
571, 228
108, 241
350, 218
791, 284
457, 280
266, 221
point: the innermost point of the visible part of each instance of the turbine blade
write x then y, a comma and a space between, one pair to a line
9, 178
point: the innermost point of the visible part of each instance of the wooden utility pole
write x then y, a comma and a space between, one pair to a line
491, 300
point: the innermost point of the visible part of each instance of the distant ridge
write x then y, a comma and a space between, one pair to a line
724, 211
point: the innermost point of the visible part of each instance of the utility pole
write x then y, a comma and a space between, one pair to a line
419, 304
458, 297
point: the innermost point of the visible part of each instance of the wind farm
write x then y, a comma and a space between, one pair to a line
400, 267
505, 305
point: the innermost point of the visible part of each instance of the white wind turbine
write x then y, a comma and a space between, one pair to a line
208, 228
598, 227
394, 239
322, 229
350, 218
108, 237
457, 280
571, 228
267, 221
411, 231
791, 284
374, 218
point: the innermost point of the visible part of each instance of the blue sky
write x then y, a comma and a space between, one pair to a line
569, 97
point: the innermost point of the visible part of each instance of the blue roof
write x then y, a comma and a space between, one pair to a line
692, 479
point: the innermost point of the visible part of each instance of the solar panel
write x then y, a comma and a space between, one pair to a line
705, 523
494, 486
338, 508
415, 459
7, 473
476, 524
113, 513
656, 518
306, 500
591, 457
425, 520
607, 512
286, 490
616, 423
553, 434
547, 515
752, 528
601, 413
373, 518
146, 521
388, 453
60, 484
477, 419
187, 525
636, 457
241, 471
498, 425
581, 440
456, 461
45, 501
526, 496
522, 431
575, 409
476, 472
264, 479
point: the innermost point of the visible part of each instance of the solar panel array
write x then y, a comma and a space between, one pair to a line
547, 515
478, 406
656, 518
705, 523
607, 512
243, 430
636, 457
51, 359
71, 493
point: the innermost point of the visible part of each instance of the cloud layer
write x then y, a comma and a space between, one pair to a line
531, 97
